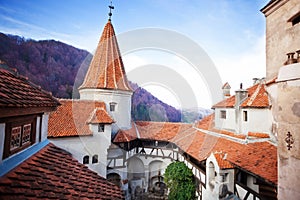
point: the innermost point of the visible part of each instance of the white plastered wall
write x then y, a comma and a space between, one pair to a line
122, 114
97, 144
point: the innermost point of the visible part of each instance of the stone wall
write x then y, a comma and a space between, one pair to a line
281, 36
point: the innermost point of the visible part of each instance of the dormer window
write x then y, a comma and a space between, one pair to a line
20, 134
101, 128
112, 106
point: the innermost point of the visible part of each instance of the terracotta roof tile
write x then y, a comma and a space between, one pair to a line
100, 115
257, 98
207, 123
126, 135
106, 70
52, 173
258, 135
71, 118
222, 160
17, 91
160, 130
259, 158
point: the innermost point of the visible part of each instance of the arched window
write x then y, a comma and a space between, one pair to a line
86, 159
211, 175
95, 159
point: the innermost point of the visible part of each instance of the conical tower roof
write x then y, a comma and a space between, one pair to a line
106, 71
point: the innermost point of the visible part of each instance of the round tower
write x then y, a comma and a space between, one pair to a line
106, 80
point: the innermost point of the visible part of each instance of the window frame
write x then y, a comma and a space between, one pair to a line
245, 116
223, 114
112, 106
21, 122
95, 159
101, 128
295, 19
86, 160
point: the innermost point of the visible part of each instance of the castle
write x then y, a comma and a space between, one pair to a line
247, 149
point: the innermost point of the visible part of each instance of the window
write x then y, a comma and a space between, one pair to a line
112, 106
295, 19
101, 128
19, 134
245, 116
86, 159
95, 159
223, 114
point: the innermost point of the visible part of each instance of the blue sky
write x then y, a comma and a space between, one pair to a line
231, 32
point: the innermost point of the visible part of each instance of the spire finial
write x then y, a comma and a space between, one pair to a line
110, 8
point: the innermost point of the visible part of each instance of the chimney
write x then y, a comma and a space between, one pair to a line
226, 90
255, 81
240, 96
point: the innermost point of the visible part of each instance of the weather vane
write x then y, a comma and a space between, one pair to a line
110, 8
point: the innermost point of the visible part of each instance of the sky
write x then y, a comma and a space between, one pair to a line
228, 36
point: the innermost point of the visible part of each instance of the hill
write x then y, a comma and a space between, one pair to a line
54, 65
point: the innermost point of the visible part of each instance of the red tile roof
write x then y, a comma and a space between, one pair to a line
17, 91
222, 160
259, 158
72, 117
258, 135
100, 115
151, 131
207, 123
106, 70
52, 173
126, 135
257, 98
226, 86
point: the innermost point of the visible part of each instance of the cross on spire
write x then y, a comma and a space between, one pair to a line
110, 8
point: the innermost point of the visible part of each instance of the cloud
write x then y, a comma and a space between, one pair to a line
27, 29
243, 67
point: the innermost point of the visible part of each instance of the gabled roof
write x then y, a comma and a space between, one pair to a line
17, 92
52, 173
259, 158
257, 98
226, 86
73, 116
100, 116
151, 131
106, 70
222, 161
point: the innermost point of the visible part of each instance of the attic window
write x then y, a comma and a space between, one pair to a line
19, 135
112, 106
223, 114
245, 116
86, 159
295, 19
95, 159
101, 128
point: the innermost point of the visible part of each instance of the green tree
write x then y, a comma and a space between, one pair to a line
180, 181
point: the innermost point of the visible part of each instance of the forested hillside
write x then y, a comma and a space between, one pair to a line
54, 65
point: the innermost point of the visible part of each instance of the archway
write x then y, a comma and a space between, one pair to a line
114, 178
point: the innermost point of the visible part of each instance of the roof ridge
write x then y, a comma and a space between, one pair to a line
254, 95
